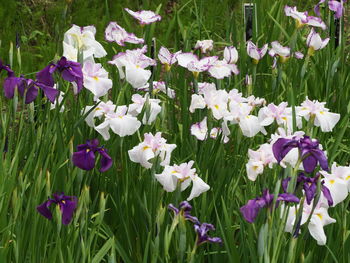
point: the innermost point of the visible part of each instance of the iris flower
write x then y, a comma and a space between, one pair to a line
69, 70
315, 42
96, 79
256, 53
320, 115
182, 174
302, 18
335, 6
167, 58
84, 158
152, 146
251, 210
310, 152
310, 186
67, 205
202, 234
27, 87
144, 16
185, 211
82, 39
319, 219
115, 33
204, 45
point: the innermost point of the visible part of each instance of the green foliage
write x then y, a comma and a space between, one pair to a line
122, 214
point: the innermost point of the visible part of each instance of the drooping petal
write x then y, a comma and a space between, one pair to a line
106, 160
68, 209
44, 209
198, 187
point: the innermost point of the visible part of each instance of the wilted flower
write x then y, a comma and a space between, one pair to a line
185, 211
204, 45
202, 236
84, 158
115, 33
67, 205
144, 16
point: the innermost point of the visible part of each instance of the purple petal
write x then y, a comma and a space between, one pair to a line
45, 75
50, 93
67, 208
309, 163
44, 210
185, 206
327, 195
106, 160
317, 7
84, 159
321, 157
289, 198
174, 209
285, 183
10, 84
32, 93
310, 191
191, 218
250, 211
282, 147
214, 240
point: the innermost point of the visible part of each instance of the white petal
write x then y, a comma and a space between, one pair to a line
103, 129
198, 187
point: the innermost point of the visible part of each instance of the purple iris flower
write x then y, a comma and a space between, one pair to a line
70, 71
335, 6
26, 87
66, 203
84, 158
202, 236
185, 210
309, 151
251, 210
310, 187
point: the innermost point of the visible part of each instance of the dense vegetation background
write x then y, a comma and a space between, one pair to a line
118, 219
